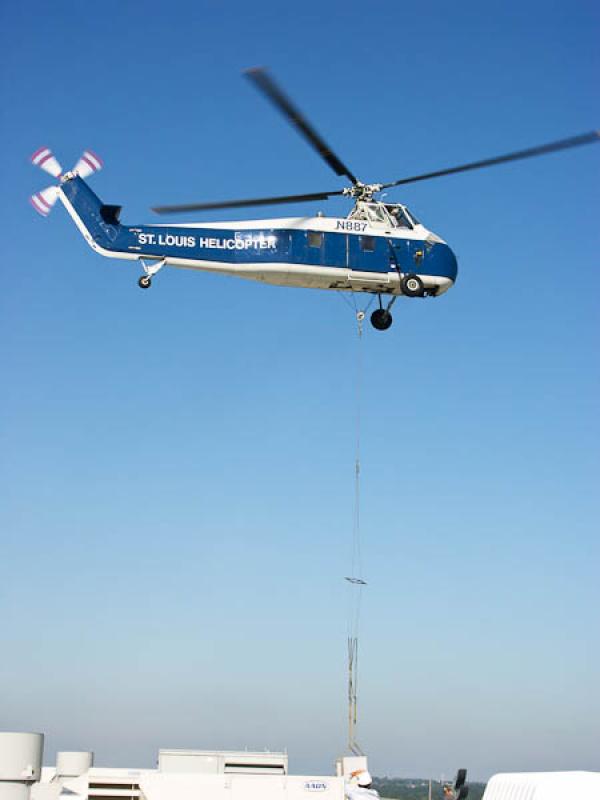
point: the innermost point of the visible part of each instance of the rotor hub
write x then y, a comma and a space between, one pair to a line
363, 191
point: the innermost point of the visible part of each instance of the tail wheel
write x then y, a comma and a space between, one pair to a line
145, 282
412, 286
381, 319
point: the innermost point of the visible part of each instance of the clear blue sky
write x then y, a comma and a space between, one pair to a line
177, 465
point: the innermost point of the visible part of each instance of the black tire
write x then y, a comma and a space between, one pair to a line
412, 285
381, 319
145, 282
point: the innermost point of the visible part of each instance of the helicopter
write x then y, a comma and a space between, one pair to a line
380, 248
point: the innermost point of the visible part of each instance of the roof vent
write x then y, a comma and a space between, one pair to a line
72, 764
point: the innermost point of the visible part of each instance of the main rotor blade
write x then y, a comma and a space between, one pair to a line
263, 81
541, 150
257, 201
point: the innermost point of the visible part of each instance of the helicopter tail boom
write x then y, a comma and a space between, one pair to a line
98, 223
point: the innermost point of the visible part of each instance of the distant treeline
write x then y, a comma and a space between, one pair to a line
418, 789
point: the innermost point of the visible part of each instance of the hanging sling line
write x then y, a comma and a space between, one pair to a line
355, 579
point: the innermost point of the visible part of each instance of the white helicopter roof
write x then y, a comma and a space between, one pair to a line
374, 218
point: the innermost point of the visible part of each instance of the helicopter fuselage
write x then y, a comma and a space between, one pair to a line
357, 253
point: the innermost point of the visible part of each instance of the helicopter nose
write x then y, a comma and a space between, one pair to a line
451, 264
442, 262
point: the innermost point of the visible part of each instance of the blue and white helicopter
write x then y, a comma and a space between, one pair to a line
379, 248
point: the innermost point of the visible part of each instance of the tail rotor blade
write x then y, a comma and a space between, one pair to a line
44, 159
88, 164
44, 201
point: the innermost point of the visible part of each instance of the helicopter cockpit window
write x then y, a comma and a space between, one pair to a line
375, 213
412, 216
315, 239
400, 217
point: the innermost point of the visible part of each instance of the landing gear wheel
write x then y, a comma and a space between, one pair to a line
145, 282
412, 285
381, 319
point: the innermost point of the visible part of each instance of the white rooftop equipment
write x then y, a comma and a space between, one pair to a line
346, 765
227, 775
543, 786
20, 764
72, 764
181, 786
181, 775
223, 762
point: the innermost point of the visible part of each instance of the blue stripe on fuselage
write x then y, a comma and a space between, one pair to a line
260, 245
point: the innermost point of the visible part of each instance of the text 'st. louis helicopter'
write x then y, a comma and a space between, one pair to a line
379, 248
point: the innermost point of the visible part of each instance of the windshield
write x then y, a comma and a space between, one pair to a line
401, 219
376, 213
412, 216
